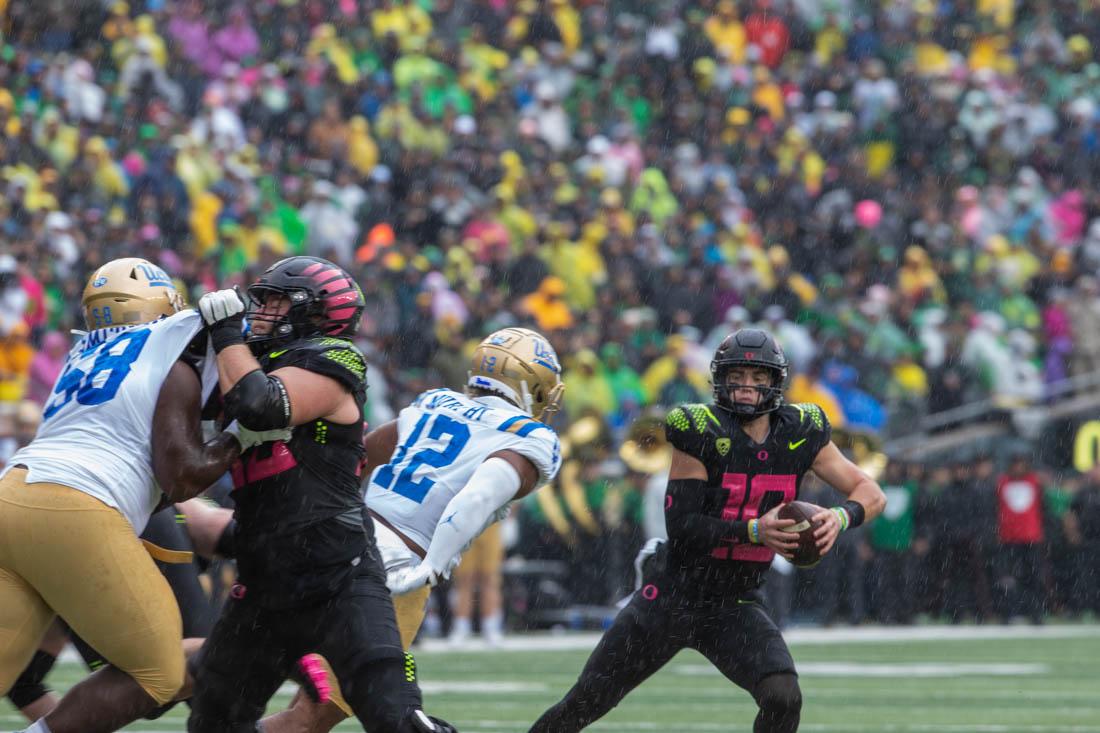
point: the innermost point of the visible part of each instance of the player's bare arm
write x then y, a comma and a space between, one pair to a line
866, 499
380, 444
183, 464
686, 520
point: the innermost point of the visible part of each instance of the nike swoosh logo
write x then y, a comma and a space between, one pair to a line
792, 445
277, 354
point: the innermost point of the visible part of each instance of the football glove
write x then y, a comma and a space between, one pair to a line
406, 580
251, 438
220, 305
223, 314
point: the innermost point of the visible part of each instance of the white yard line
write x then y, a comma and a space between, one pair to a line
862, 634
484, 726
900, 669
537, 642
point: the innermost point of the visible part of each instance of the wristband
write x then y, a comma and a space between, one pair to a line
754, 531
855, 512
226, 333
842, 515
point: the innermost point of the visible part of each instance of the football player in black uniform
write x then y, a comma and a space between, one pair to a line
310, 578
735, 463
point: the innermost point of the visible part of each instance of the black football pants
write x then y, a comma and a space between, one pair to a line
738, 638
253, 649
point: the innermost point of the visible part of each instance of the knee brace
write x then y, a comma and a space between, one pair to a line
29, 686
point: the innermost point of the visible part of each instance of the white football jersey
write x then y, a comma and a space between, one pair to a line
96, 431
442, 438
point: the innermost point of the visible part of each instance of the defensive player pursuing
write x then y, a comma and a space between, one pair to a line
734, 464
444, 471
310, 579
125, 411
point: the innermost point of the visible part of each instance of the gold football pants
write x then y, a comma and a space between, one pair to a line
63, 552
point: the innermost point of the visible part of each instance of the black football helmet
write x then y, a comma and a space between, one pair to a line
324, 301
750, 347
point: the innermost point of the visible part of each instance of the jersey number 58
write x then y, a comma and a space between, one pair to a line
113, 359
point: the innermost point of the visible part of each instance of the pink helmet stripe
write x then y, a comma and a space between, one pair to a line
339, 313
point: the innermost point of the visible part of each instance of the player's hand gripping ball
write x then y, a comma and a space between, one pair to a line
802, 512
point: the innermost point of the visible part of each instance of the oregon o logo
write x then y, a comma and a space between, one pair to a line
649, 592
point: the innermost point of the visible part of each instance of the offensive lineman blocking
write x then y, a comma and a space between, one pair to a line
446, 469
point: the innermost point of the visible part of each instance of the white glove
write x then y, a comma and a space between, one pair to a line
406, 580
250, 438
220, 305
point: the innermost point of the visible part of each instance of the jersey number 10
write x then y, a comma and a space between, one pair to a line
75, 382
456, 434
745, 505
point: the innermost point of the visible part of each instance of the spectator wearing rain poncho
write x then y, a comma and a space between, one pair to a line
653, 196
403, 19
332, 230
447, 305
861, 410
985, 350
237, 41
589, 385
547, 306
917, 278
797, 341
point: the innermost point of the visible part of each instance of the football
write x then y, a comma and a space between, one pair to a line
807, 554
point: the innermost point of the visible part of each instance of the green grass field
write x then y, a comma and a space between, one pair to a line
929, 679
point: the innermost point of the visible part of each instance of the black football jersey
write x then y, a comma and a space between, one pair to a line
299, 508
745, 480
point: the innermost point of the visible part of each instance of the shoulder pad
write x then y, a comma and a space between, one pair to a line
338, 358
809, 414
691, 418
687, 428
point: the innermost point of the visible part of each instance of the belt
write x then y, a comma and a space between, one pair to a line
408, 543
172, 557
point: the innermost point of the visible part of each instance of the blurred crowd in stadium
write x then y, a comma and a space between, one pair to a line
903, 192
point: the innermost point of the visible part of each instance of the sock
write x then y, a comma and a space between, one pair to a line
492, 624
39, 727
460, 626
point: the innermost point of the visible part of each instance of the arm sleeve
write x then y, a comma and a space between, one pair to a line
493, 485
690, 522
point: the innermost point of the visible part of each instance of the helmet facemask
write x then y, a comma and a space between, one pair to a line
300, 320
770, 396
